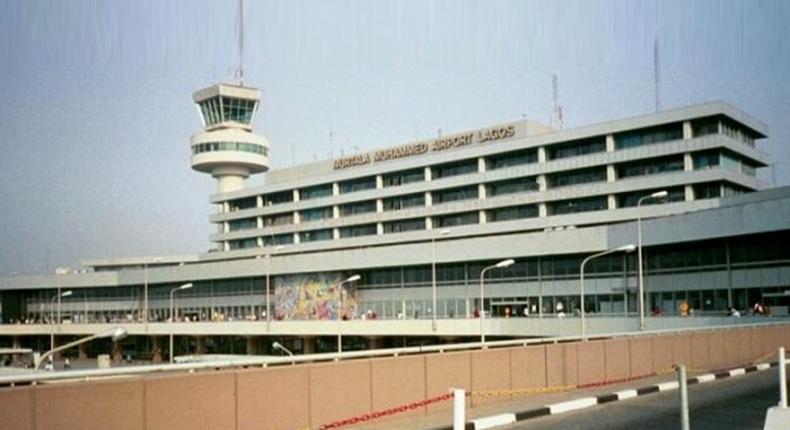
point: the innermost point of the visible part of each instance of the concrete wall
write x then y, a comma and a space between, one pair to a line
291, 397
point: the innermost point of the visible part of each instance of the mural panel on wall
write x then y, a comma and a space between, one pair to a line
312, 297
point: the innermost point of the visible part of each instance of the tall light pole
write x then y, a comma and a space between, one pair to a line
624, 248
268, 288
172, 314
351, 279
52, 316
657, 195
433, 272
501, 264
145, 287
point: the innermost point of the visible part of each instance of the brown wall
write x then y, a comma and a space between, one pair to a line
299, 396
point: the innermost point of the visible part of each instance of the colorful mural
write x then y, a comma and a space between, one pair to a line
303, 297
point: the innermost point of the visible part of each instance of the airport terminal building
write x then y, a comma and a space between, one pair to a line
418, 222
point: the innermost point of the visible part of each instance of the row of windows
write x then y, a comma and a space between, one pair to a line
216, 110
230, 146
651, 167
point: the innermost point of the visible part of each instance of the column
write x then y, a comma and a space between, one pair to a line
542, 210
81, 352
428, 174
379, 228
687, 131
156, 349
541, 154
688, 162
542, 183
689, 193
200, 345
483, 217
335, 189
259, 201
379, 181
481, 164
252, 345
117, 352
610, 143
611, 174
16, 343
612, 202
308, 345
375, 342
335, 233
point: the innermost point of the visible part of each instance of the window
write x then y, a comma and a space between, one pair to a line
404, 202
707, 191
627, 200
241, 204
648, 136
404, 225
315, 192
457, 219
730, 163
360, 184
574, 177
576, 147
578, 205
238, 110
509, 159
279, 219
230, 146
512, 213
315, 235
243, 244
278, 239
315, 214
519, 185
243, 224
358, 230
357, 208
705, 159
650, 167
455, 194
705, 126
403, 177
736, 131
456, 168
278, 198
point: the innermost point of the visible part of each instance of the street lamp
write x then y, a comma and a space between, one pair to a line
354, 278
501, 264
172, 314
657, 195
116, 334
145, 286
433, 271
52, 316
624, 248
278, 345
268, 272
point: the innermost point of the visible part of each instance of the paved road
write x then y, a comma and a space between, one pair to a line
733, 403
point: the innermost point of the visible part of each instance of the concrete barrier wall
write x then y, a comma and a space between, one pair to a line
292, 397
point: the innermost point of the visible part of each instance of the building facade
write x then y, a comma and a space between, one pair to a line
418, 222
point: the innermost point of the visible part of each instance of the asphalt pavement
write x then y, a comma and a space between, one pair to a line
734, 403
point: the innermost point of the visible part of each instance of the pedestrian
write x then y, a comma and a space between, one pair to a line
475, 312
67, 364
526, 310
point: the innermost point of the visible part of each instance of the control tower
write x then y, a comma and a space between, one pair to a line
226, 147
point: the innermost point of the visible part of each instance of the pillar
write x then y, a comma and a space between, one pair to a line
308, 345
252, 345
117, 352
156, 349
375, 342
542, 154
16, 342
82, 354
200, 345
687, 131
609, 143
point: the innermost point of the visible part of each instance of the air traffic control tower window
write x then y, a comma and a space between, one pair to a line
220, 109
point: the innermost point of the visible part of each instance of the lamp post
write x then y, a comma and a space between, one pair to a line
657, 195
278, 345
268, 288
116, 334
624, 248
339, 305
52, 316
433, 276
501, 264
145, 287
172, 314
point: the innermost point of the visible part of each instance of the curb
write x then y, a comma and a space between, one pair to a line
492, 421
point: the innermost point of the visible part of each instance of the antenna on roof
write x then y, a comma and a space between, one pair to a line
240, 70
656, 66
331, 136
556, 117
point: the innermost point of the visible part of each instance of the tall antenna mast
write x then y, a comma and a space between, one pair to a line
556, 117
240, 71
656, 67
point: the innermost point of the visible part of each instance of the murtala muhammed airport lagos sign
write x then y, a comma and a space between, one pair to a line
438, 144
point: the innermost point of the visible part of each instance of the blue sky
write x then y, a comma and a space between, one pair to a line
96, 107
